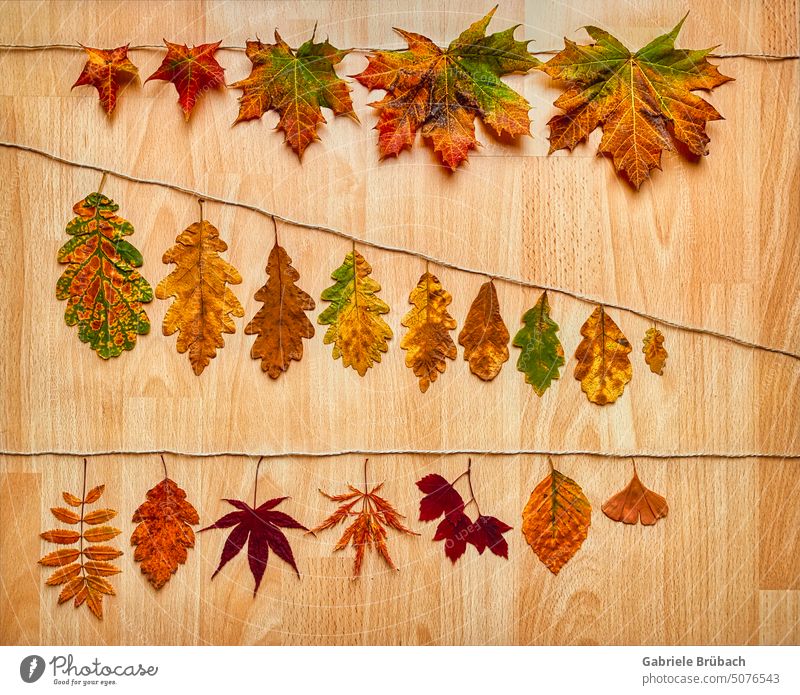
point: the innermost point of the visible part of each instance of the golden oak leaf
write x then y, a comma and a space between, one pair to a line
556, 520
484, 335
105, 70
603, 364
358, 332
636, 503
204, 304
428, 340
642, 100
655, 354
281, 323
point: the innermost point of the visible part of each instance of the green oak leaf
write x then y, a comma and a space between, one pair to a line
542, 354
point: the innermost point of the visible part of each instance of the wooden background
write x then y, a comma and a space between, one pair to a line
713, 243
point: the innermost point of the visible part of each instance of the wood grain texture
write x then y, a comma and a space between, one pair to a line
714, 243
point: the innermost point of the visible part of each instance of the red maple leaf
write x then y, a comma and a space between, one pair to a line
105, 70
192, 70
440, 498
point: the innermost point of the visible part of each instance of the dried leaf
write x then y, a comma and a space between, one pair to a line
61, 536
542, 355
105, 70
94, 494
484, 335
428, 340
642, 101
71, 500
104, 290
164, 531
100, 534
99, 516
63, 574
259, 527
101, 552
655, 354
57, 558
636, 503
295, 84
65, 515
556, 520
204, 305
193, 71
281, 323
603, 366
358, 332
441, 92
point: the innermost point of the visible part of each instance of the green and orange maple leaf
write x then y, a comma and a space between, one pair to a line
106, 70
441, 92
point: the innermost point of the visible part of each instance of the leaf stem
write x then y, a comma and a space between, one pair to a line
200, 202
275, 228
102, 182
469, 482
83, 506
164, 464
366, 485
255, 485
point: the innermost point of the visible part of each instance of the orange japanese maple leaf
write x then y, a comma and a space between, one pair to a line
106, 70
193, 71
442, 91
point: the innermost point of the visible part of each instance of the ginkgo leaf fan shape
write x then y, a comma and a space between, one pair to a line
636, 503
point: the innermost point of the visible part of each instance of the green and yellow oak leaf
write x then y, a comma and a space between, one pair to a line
103, 289
542, 355
603, 366
105, 70
357, 330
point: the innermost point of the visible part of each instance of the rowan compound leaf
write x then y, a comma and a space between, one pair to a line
603, 366
71, 500
58, 558
542, 355
484, 335
103, 289
636, 503
204, 305
643, 101
193, 71
100, 534
440, 92
556, 520
99, 516
296, 84
428, 340
163, 532
106, 70
357, 330
281, 323
655, 354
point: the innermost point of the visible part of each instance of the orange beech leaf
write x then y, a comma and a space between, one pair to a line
106, 70
655, 354
484, 335
636, 503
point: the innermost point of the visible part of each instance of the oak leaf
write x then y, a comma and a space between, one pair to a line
603, 366
442, 91
358, 332
636, 503
281, 323
428, 340
643, 101
484, 335
204, 305
103, 289
193, 71
105, 70
164, 531
295, 84
655, 354
259, 527
542, 355
556, 520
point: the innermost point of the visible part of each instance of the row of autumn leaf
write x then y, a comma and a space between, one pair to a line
555, 522
106, 294
643, 100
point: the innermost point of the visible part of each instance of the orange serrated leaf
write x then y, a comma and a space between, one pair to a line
63, 574
99, 516
101, 569
603, 366
65, 515
94, 494
100, 534
101, 552
105, 70
71, 500
636, 503
61, 536
484, 334
60, 557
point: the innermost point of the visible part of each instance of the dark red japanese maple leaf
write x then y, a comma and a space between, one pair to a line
260, 528
193, 71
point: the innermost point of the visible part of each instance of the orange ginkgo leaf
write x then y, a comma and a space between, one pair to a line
655, 354
636, 503
106, 70
484, 335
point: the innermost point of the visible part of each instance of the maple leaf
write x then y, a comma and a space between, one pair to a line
259, 527
357, 331
428, 340
442, 91
164, 531
193, 71
82, 570
295, 84
103, 289
484, 335
603, 366
204, 305
281, 323
636, 503
105, 70
642, 100
369, 524
542, 354
655, 354
556, 520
